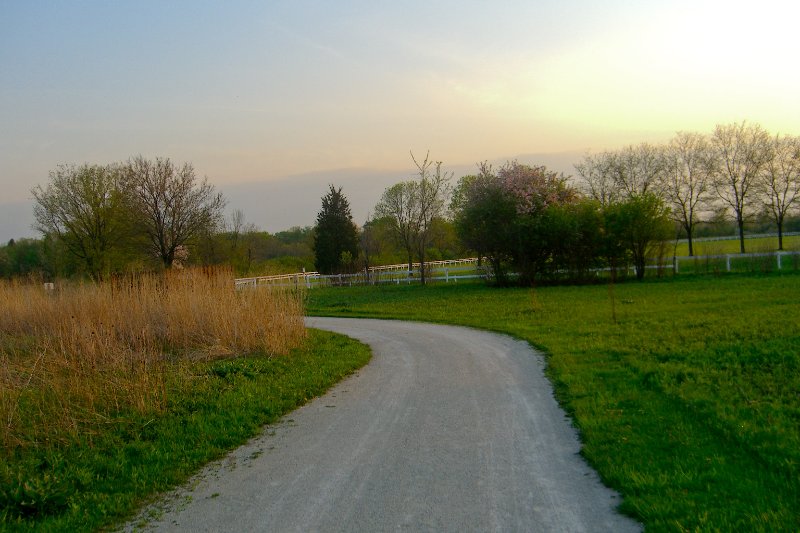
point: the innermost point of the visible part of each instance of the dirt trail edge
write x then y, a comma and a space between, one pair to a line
447, 429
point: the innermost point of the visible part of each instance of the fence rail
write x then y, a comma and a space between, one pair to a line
763, 261
447, 271
736, 237
471, 268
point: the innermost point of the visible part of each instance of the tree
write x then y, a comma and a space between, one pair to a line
431, 191
398, 205
23, 257
170, 205
780, 180
740, 152
413, 205
379, 243
635, 226
369, 244
573, 231
614, 175
686, 179
535, 190
638, 169
83, 208
335, 234
520, 215
484, 213
598, 177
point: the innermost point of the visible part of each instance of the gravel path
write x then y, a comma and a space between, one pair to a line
447, 429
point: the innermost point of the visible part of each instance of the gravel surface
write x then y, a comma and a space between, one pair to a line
447, 429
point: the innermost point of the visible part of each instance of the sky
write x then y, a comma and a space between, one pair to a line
278, 98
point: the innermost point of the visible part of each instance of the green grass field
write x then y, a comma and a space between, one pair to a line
94, 482
685, 391
731, 246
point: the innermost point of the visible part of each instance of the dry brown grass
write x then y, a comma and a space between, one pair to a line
72, 359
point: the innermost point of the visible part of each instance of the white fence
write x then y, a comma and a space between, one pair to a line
447, 271
470, 268
760, 261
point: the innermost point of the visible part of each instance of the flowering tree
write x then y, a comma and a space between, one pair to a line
484, 213
511, 215
535, 191
535, 188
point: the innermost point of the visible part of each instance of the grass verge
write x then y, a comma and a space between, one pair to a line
685, 391
220, 405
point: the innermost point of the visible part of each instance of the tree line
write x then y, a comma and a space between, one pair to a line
141, 211
738, 170
621, 208
142, 215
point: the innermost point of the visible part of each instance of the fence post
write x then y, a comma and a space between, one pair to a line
728, 262
779, 259
447, 275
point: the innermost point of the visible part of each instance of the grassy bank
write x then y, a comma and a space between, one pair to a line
685, 391
113, 393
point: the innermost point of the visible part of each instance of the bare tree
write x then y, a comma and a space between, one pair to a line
612, 176
780, 180
170, 204
240, 241
83, 208
685, 180
598, 177
412, 207
637, 169
740, 152
431, 192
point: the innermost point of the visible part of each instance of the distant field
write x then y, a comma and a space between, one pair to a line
731, 246
685, 390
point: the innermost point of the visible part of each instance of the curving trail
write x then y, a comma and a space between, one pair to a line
447, 429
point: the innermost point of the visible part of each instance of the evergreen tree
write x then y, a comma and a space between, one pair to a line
335, 234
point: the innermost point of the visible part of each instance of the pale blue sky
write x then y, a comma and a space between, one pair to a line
258, 91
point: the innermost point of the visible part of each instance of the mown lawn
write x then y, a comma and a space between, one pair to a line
686, 391
101, 478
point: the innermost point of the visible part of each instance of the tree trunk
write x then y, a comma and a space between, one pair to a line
422, 266
740, 223
639, 263
689, 236
780, 235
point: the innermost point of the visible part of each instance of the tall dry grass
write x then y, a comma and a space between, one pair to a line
73, 359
